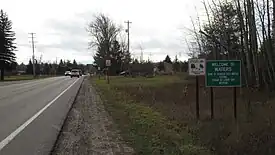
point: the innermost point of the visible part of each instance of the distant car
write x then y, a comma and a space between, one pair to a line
67, 73
75, 73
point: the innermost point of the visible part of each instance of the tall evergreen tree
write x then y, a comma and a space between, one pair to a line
104, 32
74, 64
100, 57
168, 59
21, 67
7, 45
46, 69
29, 68
126, 59
116, 57
135, 61
161, 66
37, 68
69, 65
61, 67
176, 64
12, 66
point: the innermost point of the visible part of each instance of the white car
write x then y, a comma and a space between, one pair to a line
67, 73
75, 73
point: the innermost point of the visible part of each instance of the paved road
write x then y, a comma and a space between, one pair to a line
14, 82
32, 112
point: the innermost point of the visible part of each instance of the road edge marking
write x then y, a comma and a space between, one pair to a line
10, 137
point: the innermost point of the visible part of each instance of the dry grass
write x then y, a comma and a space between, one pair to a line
174, 97
148, 131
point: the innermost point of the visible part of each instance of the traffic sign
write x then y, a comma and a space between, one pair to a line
223, 73
108, 63
196, 67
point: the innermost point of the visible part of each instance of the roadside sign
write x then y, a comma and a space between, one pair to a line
223, 73
108, 63
98, 68
196, 67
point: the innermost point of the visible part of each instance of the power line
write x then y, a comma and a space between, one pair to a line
128, 33
33, 58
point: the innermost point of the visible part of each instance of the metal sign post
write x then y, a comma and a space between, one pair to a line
196, 67
98, 70
224, 73
108, 64
108, 76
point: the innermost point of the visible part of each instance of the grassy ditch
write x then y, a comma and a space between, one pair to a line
142, 126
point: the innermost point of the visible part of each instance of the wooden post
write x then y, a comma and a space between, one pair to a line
235, 102
212, 102
197, 98
108, 78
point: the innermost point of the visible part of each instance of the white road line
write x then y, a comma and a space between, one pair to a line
8, 139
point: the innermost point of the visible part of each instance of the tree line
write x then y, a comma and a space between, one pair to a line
55, 68
107, 39
242, 30
7, 44
147, 66
178, 66
109, 43
8, 62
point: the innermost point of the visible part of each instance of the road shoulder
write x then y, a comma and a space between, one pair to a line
88, 128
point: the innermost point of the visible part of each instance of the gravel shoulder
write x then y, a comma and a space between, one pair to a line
89, 129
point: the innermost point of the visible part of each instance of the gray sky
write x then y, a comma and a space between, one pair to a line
158, 26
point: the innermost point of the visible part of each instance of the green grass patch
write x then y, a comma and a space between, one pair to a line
148, 131
157, 117
150, 82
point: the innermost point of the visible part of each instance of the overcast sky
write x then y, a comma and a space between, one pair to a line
158, 26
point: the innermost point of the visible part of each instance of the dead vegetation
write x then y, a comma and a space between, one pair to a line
149, 131
252, 134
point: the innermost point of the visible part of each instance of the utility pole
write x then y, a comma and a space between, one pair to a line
33, 58
128, 33
40, 64
141, 53
56, 66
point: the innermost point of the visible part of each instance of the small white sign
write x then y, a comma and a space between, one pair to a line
98, 68
108, 63
196, 67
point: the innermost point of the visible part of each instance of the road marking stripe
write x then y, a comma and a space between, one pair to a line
8, 139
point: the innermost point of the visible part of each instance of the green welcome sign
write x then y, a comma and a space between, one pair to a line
223, 73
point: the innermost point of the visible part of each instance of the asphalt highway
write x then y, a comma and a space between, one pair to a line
32, 112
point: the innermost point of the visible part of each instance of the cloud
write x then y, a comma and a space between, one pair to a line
66, 39
157, 43
60, 26
72, 33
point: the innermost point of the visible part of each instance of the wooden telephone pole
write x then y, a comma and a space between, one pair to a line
33, 58
128, 33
